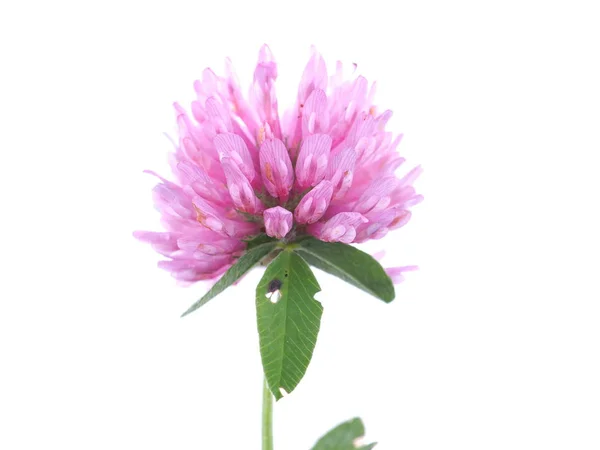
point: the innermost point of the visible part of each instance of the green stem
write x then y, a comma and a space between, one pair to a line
267, 418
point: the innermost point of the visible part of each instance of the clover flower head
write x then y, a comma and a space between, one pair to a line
325, 167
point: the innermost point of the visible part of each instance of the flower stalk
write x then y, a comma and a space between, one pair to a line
267, 418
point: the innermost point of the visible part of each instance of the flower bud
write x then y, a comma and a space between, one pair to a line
278, 221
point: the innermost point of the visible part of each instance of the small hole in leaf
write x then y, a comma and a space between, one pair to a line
283, 392
274, 296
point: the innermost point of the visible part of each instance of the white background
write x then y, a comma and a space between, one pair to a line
493, 344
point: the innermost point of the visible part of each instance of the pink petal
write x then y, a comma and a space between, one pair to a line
411, 176
218, 116
340, 171
164, 243
213, 246
382, 222
314, 204
239, 104
209, 216
276, 168
357, 98
363, 126
340, 228
377, 196
198, 265
206, 87
313, 77
314, 114
220, 221
312, 160
263, 90
397, 273
264, 133
240, 190
278, 222
232, 146
378, 255
171, 198
200, 183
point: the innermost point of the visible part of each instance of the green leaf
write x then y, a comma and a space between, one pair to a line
288, 319
247, 261
257, 240
344, 437
350, 264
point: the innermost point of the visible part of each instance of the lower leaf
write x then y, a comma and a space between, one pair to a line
288, 320
346, 436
